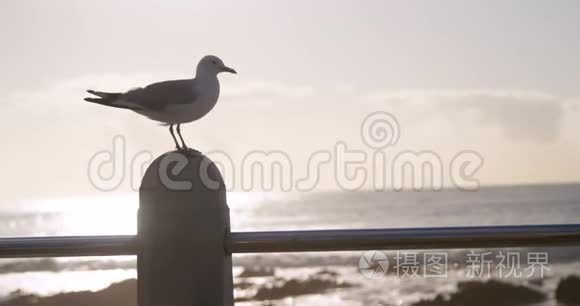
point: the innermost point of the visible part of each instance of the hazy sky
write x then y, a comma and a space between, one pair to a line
497, 77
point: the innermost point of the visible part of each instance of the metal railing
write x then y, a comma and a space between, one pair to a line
184, 244
315, 240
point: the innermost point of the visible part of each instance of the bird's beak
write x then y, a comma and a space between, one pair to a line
228, 69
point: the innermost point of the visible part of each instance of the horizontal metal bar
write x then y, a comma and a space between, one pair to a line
67, 246
406, 238
316, 241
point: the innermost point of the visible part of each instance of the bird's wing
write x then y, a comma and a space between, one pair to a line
158, 96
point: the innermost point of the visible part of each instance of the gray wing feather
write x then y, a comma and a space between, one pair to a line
158, 96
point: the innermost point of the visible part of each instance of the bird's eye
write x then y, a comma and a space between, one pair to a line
214, 62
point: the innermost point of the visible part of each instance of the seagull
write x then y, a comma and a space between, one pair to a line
172, 102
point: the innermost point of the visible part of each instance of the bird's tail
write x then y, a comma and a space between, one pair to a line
107, 98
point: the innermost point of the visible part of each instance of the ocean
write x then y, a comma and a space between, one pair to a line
404, 283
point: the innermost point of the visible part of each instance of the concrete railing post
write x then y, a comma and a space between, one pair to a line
182, 227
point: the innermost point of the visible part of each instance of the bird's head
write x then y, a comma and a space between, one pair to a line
211, 64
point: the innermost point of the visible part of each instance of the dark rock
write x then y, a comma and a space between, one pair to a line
538, 282
328, 273
293, 287
486, 293
568, 291
119, 294
256, 272
243, 285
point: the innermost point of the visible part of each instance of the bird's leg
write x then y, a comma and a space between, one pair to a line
173, 135
181, 137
